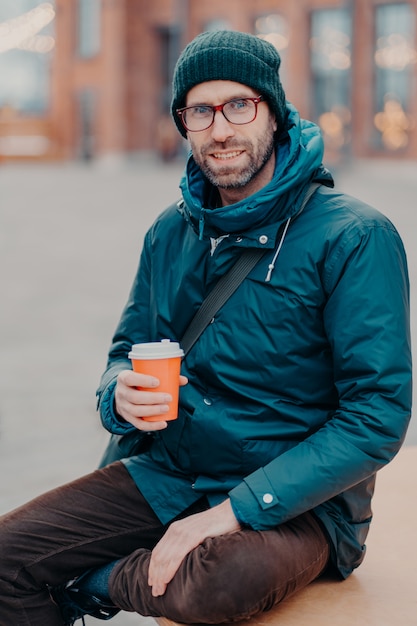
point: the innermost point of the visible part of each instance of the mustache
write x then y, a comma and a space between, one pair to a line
232, 144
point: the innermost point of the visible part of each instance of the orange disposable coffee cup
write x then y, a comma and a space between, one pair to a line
161, 359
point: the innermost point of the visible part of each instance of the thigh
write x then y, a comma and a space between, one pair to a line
231, 577
90, 521
251, 571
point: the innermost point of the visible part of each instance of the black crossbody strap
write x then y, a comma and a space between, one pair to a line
226, 286
220, 293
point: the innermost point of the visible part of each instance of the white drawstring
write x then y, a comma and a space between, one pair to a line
281, 241
215, 242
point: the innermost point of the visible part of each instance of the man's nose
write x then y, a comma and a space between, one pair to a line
221, 128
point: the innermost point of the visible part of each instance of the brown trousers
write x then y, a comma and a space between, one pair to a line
103, 517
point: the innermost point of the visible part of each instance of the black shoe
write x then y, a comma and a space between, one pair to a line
74, 603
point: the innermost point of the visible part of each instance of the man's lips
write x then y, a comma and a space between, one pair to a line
224, 156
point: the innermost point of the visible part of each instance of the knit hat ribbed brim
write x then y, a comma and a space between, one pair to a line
234, 56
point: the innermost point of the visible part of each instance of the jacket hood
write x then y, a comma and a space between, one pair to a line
298, 161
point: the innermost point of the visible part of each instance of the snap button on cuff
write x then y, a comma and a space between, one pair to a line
263, 239
267, 498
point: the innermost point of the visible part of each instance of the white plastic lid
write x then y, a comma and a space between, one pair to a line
164, 349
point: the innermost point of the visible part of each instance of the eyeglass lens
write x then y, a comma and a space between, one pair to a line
200, 117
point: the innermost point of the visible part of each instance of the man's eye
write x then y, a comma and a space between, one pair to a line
200, 111
238, 105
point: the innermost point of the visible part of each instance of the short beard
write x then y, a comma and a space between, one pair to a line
224, 179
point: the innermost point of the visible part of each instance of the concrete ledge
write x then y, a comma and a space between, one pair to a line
382, 592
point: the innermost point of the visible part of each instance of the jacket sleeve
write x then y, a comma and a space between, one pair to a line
366, 320
133, 328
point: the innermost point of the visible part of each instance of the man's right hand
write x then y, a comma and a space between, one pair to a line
133, 404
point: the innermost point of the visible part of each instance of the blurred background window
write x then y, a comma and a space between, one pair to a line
170, 48
274, 28
331, 61
217, 24
86, 137
88, 28
395, 56
26, 44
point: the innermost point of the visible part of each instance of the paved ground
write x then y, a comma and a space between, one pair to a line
70, 236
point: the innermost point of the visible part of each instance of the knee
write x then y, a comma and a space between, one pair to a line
15, 546
223, 585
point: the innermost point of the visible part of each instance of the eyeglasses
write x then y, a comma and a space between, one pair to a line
201, 116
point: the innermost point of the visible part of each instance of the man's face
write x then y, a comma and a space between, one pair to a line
238, 159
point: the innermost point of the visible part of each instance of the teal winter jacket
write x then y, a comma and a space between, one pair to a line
300, 389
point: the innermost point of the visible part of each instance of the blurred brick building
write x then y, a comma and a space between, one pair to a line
350, 65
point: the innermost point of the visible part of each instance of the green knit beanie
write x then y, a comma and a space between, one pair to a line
229, 55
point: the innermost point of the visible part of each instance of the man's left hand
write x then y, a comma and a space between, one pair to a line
183, 536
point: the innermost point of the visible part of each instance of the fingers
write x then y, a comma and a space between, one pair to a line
134, 404
167, 556
184, 535
133, 379
135, 401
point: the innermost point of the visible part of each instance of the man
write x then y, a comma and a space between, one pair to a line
291, 400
